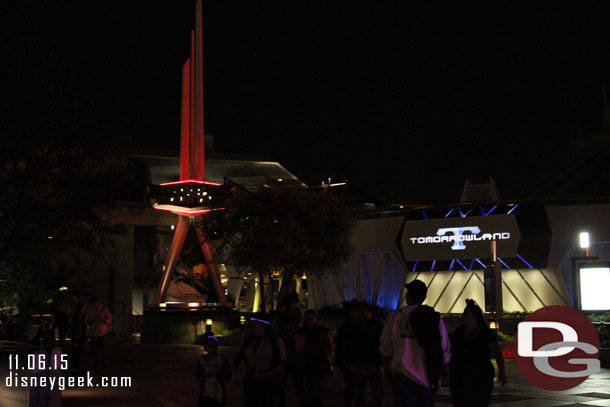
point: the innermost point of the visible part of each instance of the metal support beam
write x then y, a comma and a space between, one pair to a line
206, 249
172, 256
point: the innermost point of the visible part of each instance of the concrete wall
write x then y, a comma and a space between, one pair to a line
373, 272
376, 274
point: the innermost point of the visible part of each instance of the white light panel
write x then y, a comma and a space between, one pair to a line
594, 289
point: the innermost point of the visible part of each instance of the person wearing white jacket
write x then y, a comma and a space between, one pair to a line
407, 366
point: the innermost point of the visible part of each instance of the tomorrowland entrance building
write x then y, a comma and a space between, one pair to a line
447, 247
450, 248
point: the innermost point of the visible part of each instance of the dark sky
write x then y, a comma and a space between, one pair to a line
403, 98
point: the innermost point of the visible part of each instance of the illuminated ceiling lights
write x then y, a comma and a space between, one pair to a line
190, 197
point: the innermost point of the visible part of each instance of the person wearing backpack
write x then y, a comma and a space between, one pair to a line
285, 325
213, 370
416, 350
315, 346
471, 346
344, 354
264, 354
366, 361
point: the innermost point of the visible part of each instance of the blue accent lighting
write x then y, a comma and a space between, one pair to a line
504, 264
523, 260
481, 263
490, 211
512, 209
259, 320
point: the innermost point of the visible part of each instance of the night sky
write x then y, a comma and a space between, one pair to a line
406, 101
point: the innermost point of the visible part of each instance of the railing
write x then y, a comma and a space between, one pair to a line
240, 191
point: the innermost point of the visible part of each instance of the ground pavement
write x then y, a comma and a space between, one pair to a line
162, 376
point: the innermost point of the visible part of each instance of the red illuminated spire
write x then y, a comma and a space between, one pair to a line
191, 196
192, 134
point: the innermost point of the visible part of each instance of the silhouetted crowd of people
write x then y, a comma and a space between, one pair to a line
408, 356
89, 329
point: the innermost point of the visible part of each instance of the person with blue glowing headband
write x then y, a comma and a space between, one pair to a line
213, 370
264, 354
259, 320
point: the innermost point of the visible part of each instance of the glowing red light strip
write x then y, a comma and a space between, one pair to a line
186, 212
186, 181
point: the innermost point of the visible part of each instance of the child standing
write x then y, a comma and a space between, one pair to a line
212, 371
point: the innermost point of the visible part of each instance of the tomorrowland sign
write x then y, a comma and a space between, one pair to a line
460, 238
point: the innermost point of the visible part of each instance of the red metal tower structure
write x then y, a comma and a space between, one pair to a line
192, 195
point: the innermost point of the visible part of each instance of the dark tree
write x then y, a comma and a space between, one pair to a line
56, 203
292, 229
62, 169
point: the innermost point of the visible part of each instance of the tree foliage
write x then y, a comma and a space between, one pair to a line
292, 229
62, 167
53, 210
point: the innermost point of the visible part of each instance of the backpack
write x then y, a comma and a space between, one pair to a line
425, 322
275, 351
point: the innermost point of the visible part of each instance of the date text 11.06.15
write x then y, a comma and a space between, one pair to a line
38, 361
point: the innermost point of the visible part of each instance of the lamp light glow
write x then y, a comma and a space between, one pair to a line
584, 240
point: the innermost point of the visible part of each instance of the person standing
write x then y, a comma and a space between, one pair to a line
99, 320
471, 369
366, 361
264, 354
343, 350
45, 337
315, 346
62, 323
285, 326
213, 370
78, 323
415, 349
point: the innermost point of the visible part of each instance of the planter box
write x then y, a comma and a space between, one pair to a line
184, 326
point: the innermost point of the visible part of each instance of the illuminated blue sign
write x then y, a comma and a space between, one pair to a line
463, 237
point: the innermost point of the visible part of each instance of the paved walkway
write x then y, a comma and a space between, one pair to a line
162, 376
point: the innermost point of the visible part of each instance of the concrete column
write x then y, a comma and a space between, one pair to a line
257, 298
